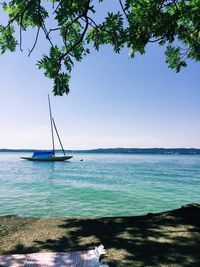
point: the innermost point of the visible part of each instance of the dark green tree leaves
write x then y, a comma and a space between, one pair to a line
174, 24
7, 41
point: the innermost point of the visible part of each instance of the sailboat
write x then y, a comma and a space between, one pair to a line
50, 155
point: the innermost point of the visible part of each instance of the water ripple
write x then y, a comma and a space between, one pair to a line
101, 185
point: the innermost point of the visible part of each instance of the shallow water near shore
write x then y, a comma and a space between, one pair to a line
100, 185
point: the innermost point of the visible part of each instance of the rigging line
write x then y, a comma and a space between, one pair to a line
52, 136
58, 136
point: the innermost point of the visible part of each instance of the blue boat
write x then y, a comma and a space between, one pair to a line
50, 155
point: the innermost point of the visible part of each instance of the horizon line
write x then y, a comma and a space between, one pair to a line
100, 148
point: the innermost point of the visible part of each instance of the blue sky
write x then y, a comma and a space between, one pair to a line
114, 102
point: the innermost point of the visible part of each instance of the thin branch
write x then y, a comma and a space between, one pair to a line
46, 33
77, 42
68, 26
21, 26
54, 29
174, 2
57, 8
184, 55
43, 24
20, 37
36, 39
156, 40
122, 7
87, 7
96, 27
93, 22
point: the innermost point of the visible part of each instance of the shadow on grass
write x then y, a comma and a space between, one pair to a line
169, 238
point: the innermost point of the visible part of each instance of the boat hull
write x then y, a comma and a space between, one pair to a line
62, 158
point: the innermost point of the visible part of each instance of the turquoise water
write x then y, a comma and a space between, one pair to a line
100, 185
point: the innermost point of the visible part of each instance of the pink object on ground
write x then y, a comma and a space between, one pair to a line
55, 259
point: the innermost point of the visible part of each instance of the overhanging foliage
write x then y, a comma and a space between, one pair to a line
174, 24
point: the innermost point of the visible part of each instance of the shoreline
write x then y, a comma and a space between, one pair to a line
170, 238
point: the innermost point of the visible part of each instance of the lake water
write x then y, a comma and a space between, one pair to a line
100, 185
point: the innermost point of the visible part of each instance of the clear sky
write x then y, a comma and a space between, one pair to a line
114, 102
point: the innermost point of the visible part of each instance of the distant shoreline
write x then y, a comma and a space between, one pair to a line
154, 151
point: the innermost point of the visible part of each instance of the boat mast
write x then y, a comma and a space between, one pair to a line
58, 136
51, 119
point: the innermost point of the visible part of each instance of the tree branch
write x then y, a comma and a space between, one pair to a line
84, 15
36, 39
156, 40
43, 24
78, 42
122, 7
56, 8
54, 29
20, 37
71, 23
174, 2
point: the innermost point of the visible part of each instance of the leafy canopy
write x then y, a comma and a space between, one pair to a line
174, 24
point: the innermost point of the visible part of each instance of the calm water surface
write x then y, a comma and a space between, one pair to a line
100, 185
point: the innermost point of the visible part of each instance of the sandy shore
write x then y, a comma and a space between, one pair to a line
164, 239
